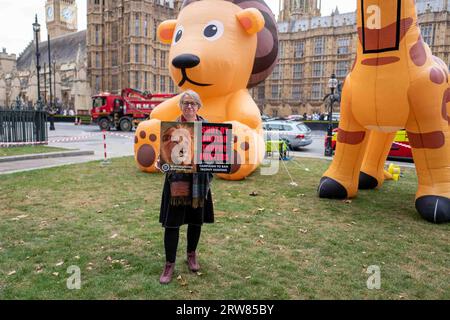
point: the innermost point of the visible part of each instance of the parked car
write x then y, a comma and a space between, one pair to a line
296, 134
400, 147
276, 119
265, 117
295, 117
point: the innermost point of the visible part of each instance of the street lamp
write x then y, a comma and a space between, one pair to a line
51, 109
332, 84
37, 29
45, 84
54, 80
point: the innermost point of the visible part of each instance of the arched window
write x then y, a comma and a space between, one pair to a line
137, 26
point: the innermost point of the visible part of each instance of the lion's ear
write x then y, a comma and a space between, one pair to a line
251, 20
166, 30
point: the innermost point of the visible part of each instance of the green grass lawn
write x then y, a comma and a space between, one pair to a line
18, 151
284, 243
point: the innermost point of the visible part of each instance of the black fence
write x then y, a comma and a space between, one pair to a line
85, 119
22, 127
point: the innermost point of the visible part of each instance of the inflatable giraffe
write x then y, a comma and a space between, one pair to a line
395, 83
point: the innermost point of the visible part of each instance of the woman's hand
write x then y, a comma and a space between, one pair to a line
158, 164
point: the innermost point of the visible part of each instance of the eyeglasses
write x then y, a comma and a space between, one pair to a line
186, 104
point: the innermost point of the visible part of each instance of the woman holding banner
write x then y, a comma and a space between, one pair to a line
186, 199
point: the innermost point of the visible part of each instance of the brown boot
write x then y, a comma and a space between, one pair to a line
166, 276
192, 261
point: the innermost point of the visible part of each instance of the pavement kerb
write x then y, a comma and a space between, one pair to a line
47, 155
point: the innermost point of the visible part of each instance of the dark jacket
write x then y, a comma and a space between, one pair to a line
176, 216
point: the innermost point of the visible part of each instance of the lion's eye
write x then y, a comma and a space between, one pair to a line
210, 31
213, 30
178, 34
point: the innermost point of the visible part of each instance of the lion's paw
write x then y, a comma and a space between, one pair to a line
146, 145
248, 151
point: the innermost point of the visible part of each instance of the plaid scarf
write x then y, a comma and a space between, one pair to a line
189, 189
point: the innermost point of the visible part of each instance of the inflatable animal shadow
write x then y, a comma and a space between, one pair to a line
395, 83
218, 49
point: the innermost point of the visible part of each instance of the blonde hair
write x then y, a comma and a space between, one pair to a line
194, 95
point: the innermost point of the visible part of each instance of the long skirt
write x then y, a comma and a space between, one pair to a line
176, 216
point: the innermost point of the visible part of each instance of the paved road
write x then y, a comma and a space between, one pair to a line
29, 165
317, 149
84, 137
89, 137
119, 144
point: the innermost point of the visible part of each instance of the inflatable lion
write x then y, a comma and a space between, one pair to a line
218, 49
395, 83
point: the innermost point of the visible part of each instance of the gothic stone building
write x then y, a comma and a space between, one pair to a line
122, 45
119, 49
313, 47
18, 78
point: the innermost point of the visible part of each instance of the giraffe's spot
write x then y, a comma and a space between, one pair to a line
245, 146
443, 67
437, 76
142, 134
235, 139
152, 137
146, 156
405, 25
418, 53
380, 61
136, 140
349, 137
354, 63
445, 100
236, 164
431, 140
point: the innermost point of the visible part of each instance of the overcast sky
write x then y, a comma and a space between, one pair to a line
17, 17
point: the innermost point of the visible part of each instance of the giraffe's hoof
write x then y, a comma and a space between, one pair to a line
434, 208
367, 182
331, 189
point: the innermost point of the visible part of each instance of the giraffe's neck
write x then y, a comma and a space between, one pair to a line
389, 36
386, 26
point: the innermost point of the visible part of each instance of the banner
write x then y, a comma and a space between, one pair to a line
196, 147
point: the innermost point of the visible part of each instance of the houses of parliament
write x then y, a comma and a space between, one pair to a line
312, 47
120, 49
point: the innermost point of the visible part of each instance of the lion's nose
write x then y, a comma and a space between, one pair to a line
185, 61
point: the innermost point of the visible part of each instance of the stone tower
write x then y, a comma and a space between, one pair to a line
298, 9
61, 17
122, 46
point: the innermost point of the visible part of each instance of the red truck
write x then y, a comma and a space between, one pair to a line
125, 111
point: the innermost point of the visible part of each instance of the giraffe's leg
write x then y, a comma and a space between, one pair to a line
429, 136
340, 181
372, 169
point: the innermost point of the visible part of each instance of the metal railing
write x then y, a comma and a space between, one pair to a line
21, 126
